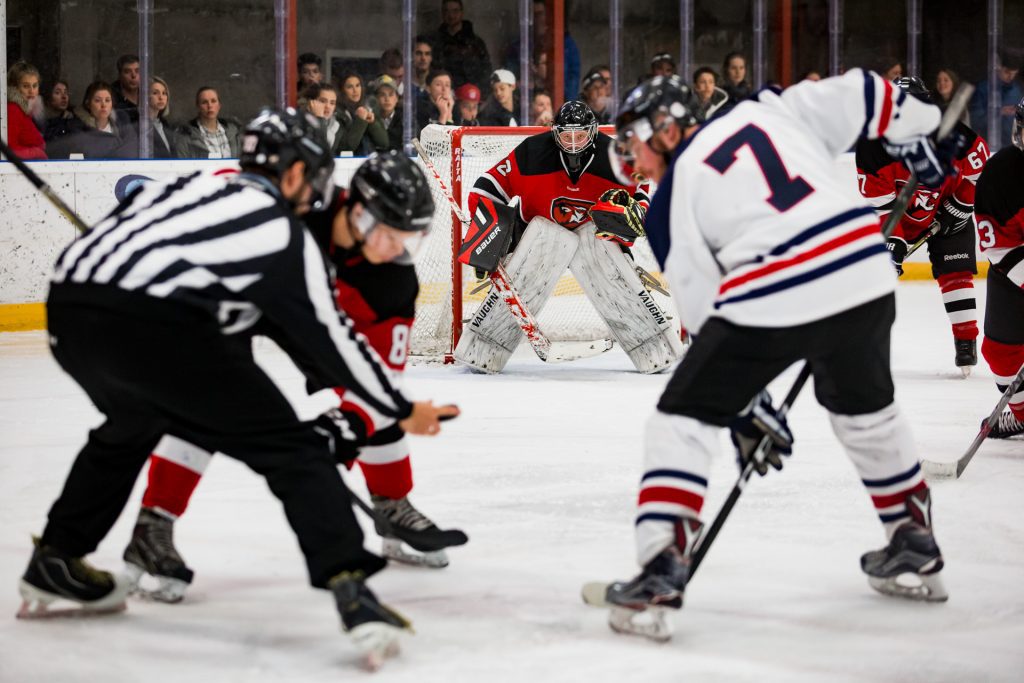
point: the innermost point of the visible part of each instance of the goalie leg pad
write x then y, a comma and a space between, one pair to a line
607, 275
492, 334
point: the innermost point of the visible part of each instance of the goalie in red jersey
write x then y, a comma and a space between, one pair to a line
555, 202
370, 235
941, 216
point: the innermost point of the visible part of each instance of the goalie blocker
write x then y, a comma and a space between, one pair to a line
605, 273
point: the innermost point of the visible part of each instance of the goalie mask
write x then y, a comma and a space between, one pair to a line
278, 138
394, 193
649, 108
574, 130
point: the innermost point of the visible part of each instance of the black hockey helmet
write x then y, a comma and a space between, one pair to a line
915, 87
394, 191
278, 138
574, 128
1018, 126
650, 106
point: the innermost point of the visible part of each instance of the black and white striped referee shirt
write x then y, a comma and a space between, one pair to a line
229, 245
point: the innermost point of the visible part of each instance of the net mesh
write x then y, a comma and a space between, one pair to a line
568, 314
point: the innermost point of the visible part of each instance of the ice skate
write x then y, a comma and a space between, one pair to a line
966, 355
151, 552
1006, 427
400, 512
53, 576
640, 607
373, 627
909, 566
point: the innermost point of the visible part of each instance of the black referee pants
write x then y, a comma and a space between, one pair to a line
167, 369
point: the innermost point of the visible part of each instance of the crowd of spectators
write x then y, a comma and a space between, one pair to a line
452, 83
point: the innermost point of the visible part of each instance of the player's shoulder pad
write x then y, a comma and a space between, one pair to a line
999, 192
871, 156
537, 155
390, 289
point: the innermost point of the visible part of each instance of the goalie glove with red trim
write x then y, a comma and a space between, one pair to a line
618, 217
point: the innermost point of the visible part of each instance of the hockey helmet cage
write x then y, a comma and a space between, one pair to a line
278, 138
915, 87
574, 128
394, 191
1018, 126
650, 106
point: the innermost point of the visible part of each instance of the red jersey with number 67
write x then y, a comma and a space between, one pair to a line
536, 172
880, 178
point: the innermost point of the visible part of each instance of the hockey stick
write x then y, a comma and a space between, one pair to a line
506, 289
900, 205
43, 187
953, 470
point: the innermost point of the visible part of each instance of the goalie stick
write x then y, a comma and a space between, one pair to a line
953, 470
593, 592
546, 350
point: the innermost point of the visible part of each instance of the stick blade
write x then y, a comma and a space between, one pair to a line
939, 471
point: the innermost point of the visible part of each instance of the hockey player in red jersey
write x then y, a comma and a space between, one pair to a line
557, 182
772, 262
999, 207
376, 286
940, 215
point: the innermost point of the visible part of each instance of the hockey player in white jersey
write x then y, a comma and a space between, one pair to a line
772, 262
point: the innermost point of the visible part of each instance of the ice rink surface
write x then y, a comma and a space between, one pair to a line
541, 471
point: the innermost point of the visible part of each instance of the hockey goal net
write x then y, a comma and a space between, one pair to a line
449, 291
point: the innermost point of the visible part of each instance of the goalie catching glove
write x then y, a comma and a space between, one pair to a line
618, 217
758, 420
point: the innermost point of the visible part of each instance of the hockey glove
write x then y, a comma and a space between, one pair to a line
758, 420
897, 252
344, 437
618, 217
953, 216
920, 156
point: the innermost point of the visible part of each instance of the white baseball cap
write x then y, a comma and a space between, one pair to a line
503, 76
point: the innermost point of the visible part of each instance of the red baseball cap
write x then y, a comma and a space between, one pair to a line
468, 92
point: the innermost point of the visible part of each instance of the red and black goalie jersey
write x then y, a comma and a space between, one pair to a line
999, 208
880, 178
535, 171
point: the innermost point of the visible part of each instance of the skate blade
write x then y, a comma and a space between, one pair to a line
37, 603
395, 550
377, 642
917, 587
650, 623
564, 351
965, 370
168, 589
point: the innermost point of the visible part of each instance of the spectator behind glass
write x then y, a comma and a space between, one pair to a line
165, 138
61, 120
361, 132
499, 107
208, 136
946, 83
460, 51
542, 113
309, 70
1009, 94
422, 58
24, 110
388, 111
811, 75
734, 71
392, 64
889, 68
467, 105
436, 104
663, 65
321, 100
126, 88
595, 92
708, 98
108, 132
